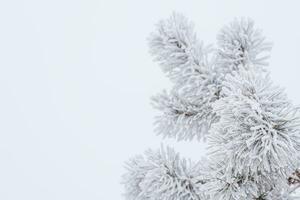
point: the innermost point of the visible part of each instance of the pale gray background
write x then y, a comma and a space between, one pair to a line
75, 82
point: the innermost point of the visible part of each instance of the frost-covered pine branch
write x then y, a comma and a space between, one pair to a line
186, 110
224, 95
257, 133
241, 44
176, 48
162, 175
181, 119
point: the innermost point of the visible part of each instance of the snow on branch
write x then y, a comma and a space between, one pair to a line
182, 118
258, 131
235, 188
225, 96
240, 43
162, 175
186, 111
176, 48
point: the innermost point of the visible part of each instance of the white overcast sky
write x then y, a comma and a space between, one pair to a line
75, 82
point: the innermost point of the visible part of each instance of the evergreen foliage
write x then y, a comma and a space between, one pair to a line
223, 95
